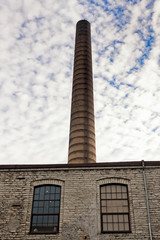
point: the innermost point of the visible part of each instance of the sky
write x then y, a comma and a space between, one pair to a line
37, 39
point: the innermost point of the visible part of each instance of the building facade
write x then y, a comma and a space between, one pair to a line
81, 201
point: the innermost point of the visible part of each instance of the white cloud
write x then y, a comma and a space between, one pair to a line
37, 51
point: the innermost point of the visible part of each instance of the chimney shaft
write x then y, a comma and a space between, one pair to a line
82, 129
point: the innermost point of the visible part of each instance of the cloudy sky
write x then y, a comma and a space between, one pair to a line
36, 65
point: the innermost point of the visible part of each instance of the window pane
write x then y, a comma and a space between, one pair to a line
34, 220
56, 210
57, 196
41, 204
110, 227
35, 210
57, 203
53, 189
50, 219
109, 196
55, 220
113, 189
110, 218
121, 227
121, 218
124, 195
52, 196
126, 218
119, 195
36, 197
105, 227
41, 196
39, 220
103, 203
36, 190
46, 210
42, 189
115, 218
47, 190
58, 190
51, 204
115, 226
103, 196
104, 218
46, 196
50, 210
108, 189
45, 220
40, 210
119, 188
35, 204
126, 225
103, 190
46, 204
104, 209
124, 189
114, 195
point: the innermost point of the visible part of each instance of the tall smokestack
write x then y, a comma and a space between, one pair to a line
82, 129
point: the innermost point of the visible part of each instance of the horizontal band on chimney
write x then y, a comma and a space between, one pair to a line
82, 120
82, 63
78, 101
82, 70
83, 83
82, 114
83, 79
82, 153
81, 160
82, 132
82, 52
76, 147
82, 126
85, 49
81, 139
82, 109
84, 45
86, 145
87, 90
83, 58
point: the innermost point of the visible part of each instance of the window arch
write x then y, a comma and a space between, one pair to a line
46, 209
114, 208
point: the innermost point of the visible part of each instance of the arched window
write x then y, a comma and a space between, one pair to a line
46, 209
114, 208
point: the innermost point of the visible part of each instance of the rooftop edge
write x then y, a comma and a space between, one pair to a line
66, 165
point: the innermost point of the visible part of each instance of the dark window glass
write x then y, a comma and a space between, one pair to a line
114, 208
46, 209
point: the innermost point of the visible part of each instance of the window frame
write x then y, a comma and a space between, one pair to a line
51, 214
115, 213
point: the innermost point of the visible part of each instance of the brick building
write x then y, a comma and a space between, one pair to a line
80, 212
82, 199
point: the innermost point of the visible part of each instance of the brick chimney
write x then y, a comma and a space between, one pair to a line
82, 129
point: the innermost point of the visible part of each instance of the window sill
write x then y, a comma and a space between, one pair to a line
116, 232
44, 233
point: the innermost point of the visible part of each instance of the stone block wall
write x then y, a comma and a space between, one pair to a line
80, 200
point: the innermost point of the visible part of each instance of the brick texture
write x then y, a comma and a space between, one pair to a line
80, 201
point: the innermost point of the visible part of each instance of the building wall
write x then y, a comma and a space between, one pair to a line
80, 201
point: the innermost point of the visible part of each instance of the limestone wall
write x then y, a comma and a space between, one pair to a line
80, 201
